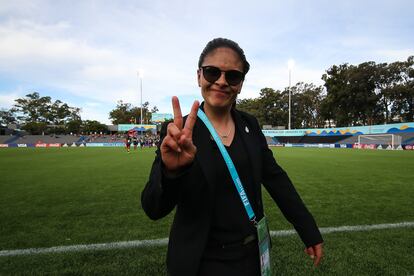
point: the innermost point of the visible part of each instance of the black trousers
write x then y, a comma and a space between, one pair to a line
240, 260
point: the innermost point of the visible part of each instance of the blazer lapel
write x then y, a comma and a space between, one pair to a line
202, 140
250, 142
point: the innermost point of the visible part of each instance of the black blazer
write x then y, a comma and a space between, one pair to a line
192, 194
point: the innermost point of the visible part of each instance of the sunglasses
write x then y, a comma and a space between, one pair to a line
212, 74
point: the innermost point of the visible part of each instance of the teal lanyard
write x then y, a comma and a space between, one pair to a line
230, 166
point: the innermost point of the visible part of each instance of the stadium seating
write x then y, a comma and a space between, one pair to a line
407, 138
310, 139
4, 139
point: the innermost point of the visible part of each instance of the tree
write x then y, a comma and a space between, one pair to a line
369, 93
121, 114
335, 84
351, 94
269, 108
272, 106
136, 114
7, 117
92, 126
125, 113
365, 108
250, 106
74, 126
36, 128
154, 109
363, 94
385, 77
40, 114
61, 113
402, 92
306, 106
33, 108
146, 115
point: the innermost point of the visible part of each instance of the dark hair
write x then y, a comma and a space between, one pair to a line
226, 43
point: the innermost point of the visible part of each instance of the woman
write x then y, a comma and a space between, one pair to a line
211, 233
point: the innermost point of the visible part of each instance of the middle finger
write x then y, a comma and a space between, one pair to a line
192, 117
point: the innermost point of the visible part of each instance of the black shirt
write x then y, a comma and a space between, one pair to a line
230, 222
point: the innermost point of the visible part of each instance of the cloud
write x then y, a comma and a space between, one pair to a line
79, 67
390, 55
276, 75
97, 112
7, 100
92, 53
96, 73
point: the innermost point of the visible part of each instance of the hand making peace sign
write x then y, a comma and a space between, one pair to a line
177, 148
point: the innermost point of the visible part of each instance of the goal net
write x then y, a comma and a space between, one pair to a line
380, 139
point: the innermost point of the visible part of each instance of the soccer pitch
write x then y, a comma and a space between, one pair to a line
52, 197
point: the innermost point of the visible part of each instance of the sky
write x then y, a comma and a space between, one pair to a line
92, 54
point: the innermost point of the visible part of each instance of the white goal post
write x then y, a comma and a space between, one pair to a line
380, 139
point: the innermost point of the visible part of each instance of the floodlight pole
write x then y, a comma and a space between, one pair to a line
290, 102
141, 99
140, 85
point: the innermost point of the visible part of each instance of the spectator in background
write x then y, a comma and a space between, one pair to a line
128, 141
141, 143
135, 141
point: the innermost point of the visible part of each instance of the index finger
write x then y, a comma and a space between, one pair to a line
192, 117
178, 117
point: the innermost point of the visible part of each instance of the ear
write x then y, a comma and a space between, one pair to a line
199, 77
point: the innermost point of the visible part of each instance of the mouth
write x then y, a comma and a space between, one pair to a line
220, 91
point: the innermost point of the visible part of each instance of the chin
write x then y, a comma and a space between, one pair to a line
220, 104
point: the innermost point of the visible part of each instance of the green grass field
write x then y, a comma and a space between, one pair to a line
69, 196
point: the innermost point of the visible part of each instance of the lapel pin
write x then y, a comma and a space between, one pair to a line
247, 129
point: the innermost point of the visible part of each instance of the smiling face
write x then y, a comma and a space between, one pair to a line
220, 94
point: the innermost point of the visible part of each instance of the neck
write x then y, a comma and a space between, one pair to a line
222, 122
218, 115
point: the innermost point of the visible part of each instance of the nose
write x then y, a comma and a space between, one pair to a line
222, 79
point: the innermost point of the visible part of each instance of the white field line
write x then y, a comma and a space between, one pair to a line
163, 242
327, 230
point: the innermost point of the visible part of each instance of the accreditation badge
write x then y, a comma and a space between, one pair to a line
264, 247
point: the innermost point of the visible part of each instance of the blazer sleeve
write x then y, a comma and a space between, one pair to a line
160, 194
281, 189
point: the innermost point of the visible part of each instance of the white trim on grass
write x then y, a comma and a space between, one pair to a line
84, 247
327, 230
163, 242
